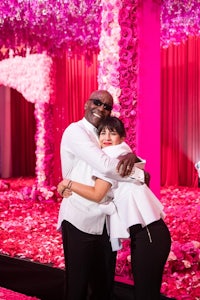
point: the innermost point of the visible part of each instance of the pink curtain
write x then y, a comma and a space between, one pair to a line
180, 113
76, 78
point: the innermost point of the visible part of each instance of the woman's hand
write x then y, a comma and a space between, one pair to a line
62, 188
66, 193
126, 164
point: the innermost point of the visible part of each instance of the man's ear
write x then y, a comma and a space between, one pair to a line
86, 105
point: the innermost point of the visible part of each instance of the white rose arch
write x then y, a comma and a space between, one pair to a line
32, 76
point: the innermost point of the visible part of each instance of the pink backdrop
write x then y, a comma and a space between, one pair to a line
148, 113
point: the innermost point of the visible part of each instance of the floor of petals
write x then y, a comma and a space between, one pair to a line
28, 230
6, 294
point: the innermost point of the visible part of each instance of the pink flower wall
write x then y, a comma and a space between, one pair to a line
127, 35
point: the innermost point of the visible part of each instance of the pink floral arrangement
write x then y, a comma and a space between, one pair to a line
6, 294
179, 19
30, 76
108, 26
128, 69
31, 25
4, 185
28, 230
78, 25
118, 61
108, 70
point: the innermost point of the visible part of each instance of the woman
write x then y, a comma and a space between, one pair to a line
134, 211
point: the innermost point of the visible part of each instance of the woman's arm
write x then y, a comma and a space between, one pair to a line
94, 193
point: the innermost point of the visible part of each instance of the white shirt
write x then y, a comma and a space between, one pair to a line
80, 154
135, 203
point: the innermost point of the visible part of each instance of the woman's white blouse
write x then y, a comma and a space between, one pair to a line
134, 202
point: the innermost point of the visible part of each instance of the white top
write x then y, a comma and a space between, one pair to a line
80, 154
134, 202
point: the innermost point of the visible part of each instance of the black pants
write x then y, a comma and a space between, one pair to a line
150, 247
90, 264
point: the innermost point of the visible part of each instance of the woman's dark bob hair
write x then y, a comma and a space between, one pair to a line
113, 124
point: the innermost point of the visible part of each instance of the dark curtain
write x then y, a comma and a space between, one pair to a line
23, 129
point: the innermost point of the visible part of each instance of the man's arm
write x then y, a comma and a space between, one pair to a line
77, 142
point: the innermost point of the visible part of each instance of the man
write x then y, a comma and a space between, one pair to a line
89, 259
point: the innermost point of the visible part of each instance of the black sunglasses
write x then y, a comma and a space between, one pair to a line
98, 102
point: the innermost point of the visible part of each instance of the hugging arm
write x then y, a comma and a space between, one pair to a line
78, 143
94, 193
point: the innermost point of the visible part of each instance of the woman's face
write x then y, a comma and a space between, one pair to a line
109, 138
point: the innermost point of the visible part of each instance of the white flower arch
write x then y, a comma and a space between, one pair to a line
32, 76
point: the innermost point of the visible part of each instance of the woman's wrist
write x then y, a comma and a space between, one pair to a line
67, 185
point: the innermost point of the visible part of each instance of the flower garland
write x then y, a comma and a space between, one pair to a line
78, 23
52, 26
44, 139
108, 72
118, 62
30, 76
128, 69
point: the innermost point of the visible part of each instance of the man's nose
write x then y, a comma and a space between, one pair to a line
101, 107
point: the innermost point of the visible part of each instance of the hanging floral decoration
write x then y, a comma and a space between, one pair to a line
179, 19
52, 26
75, 25
30, 76
108, 72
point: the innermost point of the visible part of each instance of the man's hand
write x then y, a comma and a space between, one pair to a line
147, 178
126, 164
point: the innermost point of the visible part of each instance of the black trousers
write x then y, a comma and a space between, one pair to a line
90, 264
150, 247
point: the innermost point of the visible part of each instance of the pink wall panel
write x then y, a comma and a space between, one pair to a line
148, 114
